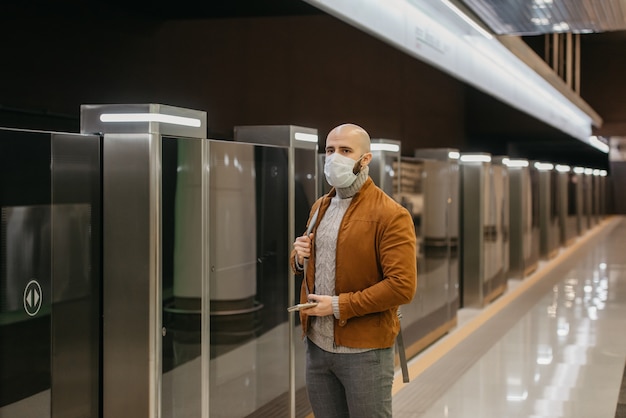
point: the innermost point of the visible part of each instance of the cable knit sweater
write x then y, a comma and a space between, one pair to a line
322, 327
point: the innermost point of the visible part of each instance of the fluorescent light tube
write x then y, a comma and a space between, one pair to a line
384, 147
596, 143
150, 117
516, 163
544, 166
301, 136
475, 158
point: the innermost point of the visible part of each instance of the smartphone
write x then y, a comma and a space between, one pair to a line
300, 306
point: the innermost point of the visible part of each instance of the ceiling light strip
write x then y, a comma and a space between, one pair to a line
384, 147
149, 117
302, 136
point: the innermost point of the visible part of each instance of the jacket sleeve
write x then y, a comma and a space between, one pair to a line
397, 258
292, 257
292, 262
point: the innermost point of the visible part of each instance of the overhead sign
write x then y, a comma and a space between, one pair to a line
32, 298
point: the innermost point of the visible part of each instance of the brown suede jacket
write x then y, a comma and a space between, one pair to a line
375, 271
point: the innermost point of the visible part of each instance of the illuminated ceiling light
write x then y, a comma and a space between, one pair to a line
454, 155
516, 163
596, 172
560, 27
596, 143
513, 397
540, 21
150, 117
385, 147
301, 136
563, 168
603, 173
475, 158
579, 170
544, 166
588, 171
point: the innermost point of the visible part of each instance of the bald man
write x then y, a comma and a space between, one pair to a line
361, 267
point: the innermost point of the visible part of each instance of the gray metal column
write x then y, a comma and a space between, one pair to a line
579, 188
502, 191
566, 194
132, 269
548, 222
521, 262
479, 261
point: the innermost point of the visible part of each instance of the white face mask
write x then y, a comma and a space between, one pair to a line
339, 170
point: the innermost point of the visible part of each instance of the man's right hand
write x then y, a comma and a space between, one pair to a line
302, 245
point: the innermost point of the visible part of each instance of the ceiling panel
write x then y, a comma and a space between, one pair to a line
534, 17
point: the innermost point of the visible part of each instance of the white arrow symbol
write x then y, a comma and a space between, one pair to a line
32, 298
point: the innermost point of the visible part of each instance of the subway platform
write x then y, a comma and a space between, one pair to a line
553, 345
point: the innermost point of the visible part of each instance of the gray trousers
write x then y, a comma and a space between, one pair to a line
349, 385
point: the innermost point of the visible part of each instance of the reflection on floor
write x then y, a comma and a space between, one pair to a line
552, 346
243, 380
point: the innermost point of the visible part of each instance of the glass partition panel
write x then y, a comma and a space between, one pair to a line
434, 257
249, 272
181, 257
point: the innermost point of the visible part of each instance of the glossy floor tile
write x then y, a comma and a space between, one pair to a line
557, 351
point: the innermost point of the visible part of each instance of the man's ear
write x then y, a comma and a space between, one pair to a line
367, 158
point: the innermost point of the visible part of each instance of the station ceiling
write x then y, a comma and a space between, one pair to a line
601, 21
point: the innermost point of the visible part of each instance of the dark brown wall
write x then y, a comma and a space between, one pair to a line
603, 84
313, 71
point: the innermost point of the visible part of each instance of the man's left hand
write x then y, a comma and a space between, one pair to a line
324, 305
